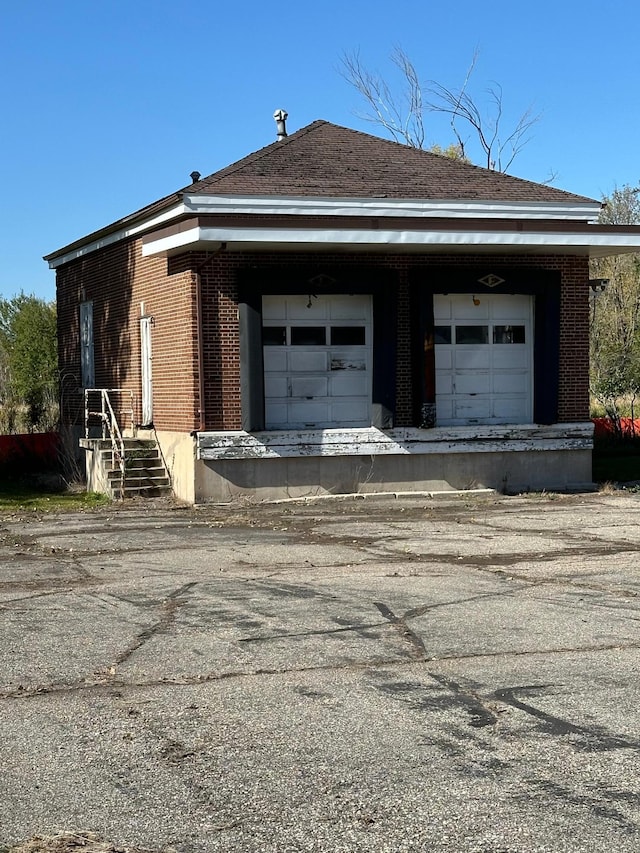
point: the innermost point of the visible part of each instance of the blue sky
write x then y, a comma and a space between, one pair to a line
110, 104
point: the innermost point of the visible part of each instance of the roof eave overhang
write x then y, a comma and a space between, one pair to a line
122, 230
450, 208
573, 210
195, 237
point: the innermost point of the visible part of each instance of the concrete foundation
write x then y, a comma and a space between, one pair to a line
227, 466
271, 466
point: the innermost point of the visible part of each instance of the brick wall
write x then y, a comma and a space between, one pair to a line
117, 279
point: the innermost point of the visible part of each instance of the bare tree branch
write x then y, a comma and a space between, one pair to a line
403, 117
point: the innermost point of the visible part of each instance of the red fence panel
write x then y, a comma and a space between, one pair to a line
29, 452
629, 427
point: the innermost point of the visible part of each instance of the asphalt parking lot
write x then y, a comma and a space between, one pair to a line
416, 674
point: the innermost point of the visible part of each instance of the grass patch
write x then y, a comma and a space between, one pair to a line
23, 495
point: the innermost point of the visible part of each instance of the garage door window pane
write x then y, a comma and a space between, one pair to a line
274, 336
508, 335
304, 336
472, 334
348, 336
442, 334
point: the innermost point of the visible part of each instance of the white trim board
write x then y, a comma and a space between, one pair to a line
374, 442
390, 207
441, 239
202, 203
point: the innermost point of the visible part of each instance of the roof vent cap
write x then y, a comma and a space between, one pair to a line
195, 177
280, 117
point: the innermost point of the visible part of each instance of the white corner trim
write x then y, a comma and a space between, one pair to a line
400, 238
387, 207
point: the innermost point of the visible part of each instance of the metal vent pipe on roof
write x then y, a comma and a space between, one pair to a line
281, 116
195, 177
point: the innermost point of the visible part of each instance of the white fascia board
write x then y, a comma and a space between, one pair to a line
116, 236
337, 237
308, 206
379, 207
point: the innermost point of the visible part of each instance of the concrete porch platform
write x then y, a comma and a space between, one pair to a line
276, 465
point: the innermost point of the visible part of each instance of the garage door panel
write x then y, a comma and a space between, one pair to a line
351, 359
442, 308
307, 361
349, 308
508, 407
472, 358
310, 412
275, 359
276, 386
348, 385
350, 412
273, 307
515, 356
509, 383
311, 386
464, 307
445, 408
276, 412
511, 308
444, 382
306, 308
472, 407
444, 358
472, 383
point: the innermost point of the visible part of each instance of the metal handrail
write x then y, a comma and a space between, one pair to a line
109, 424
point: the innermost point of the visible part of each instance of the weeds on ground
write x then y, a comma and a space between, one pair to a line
25, 495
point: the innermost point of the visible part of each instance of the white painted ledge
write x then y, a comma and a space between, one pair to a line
279, 444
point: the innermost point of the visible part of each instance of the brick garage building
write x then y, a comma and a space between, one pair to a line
339, 313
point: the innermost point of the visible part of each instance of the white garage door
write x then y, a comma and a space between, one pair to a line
317, 361
484, 353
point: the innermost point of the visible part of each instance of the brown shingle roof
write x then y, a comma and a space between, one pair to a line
324, 159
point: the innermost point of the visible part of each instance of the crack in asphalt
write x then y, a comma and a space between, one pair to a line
106, 681
403, 629
318, 633
169, 608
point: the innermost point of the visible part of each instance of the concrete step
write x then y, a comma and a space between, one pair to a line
141, 482
144, 474
148, 463
151, 460
141, 491
136, 472
129, 443
132, 453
